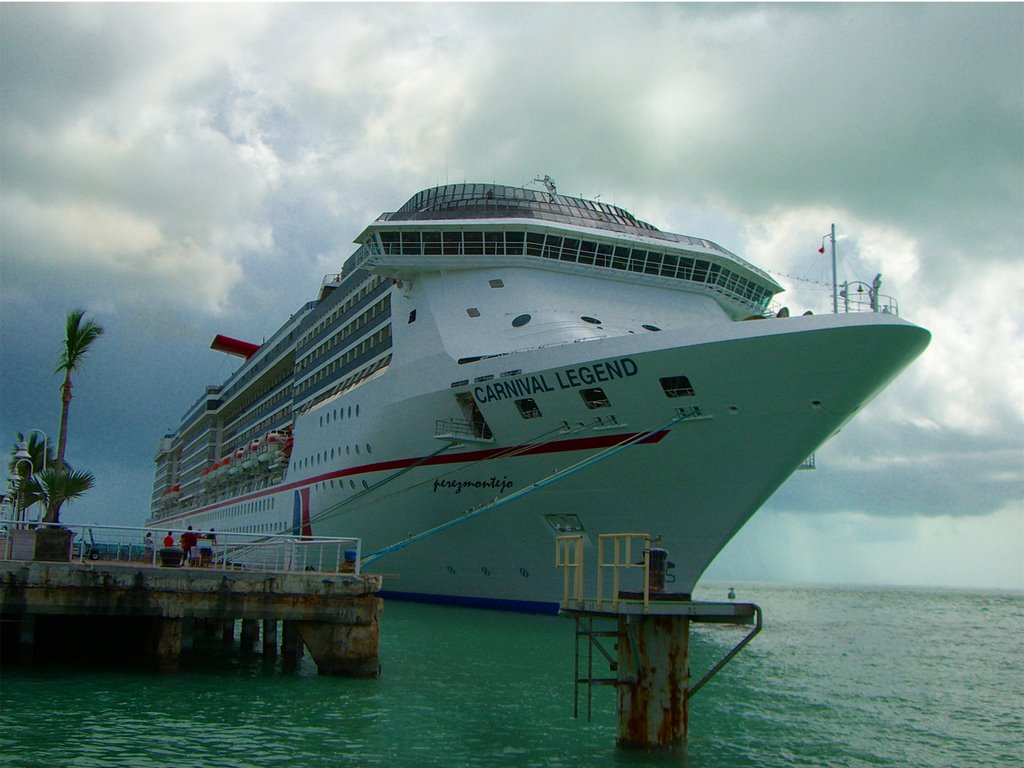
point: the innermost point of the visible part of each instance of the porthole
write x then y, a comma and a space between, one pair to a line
650, 327
365, 485
591, 320
368, 449
473, 312
520, 321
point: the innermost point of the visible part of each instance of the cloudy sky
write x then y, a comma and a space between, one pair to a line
185, 170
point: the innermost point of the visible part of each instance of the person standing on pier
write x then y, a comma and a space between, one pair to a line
188, 543
148, 544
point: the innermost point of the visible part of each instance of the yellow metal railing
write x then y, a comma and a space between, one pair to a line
569, 557
622, 558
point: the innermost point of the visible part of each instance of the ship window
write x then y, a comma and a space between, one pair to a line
520, 321
677, 386
595, 398
528, 408
513, 243
411, 244
592, 320
650, 327
432, 243
412, 316
496, 283
473, 312
474, 243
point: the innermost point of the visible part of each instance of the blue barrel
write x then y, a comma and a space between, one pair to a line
350, 561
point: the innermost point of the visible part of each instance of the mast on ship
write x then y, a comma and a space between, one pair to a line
873, 289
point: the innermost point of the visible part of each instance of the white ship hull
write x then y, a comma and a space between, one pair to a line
766, 395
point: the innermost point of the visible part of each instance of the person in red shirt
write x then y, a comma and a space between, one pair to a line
188, 541
169, 539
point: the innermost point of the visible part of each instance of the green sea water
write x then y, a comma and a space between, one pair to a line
838, 677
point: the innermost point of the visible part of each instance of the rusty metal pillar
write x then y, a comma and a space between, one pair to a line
653, 681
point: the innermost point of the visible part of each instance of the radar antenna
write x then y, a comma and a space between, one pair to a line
549, 185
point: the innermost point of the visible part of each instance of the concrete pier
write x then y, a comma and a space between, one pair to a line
49, 608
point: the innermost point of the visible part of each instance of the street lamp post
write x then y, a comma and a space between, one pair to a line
24, 455
19, 505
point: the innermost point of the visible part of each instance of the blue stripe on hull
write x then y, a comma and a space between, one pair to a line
492, 603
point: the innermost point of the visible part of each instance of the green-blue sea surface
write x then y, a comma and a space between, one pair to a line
838, 677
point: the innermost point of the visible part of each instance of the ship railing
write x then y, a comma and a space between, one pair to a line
463, 429
624, 569
126, 545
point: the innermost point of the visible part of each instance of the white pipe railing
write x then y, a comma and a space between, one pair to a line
225, 551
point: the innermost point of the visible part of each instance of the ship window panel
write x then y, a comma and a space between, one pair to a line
451, 243
514, 243
700, 271
669, 262
528, 408
595, 398
390, 242
473, 243
473, 312
494, 243
653, 265
636, 260
604, 255
677, 386
497, 283
552, 247
570, 249
534, 244
432, 243
621, 258
588, 249
521, 320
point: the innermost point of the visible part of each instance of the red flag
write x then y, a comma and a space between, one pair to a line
822, 249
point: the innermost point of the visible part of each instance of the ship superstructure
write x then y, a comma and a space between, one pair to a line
550, 358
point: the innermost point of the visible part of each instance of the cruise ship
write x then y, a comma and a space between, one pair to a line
497, 365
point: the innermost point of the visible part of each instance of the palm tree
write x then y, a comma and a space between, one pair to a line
54, 488
79, 334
